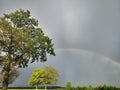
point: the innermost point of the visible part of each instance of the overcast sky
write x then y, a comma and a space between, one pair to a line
86, 36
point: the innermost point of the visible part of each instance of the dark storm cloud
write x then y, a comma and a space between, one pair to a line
90, 25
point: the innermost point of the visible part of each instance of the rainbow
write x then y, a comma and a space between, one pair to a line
108, 59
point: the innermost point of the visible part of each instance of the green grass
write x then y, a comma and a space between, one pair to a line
20, 89
23, 89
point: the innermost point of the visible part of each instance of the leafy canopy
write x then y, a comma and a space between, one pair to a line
37, 77
21, 40
51, 75
48, 75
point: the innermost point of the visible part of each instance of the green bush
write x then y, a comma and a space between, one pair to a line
68, 86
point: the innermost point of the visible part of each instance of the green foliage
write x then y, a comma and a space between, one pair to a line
48, 75
21, 39
68, 86
21, 18
37, 77
51, 75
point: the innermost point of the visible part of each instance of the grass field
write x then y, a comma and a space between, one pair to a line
30, 89
24, 89
33, 88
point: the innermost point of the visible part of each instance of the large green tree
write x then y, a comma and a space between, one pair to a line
21, 42
46, 76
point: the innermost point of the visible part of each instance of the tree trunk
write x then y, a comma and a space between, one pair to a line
5, 74
5, 80
45, 87
36, 87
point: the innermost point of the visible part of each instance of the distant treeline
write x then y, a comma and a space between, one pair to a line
40, 87
69, 86
91, 88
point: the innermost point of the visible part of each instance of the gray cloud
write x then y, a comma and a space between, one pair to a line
89, 25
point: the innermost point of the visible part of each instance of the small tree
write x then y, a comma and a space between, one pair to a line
37, 77
46, 76
68, 86
51, 76
21, 42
